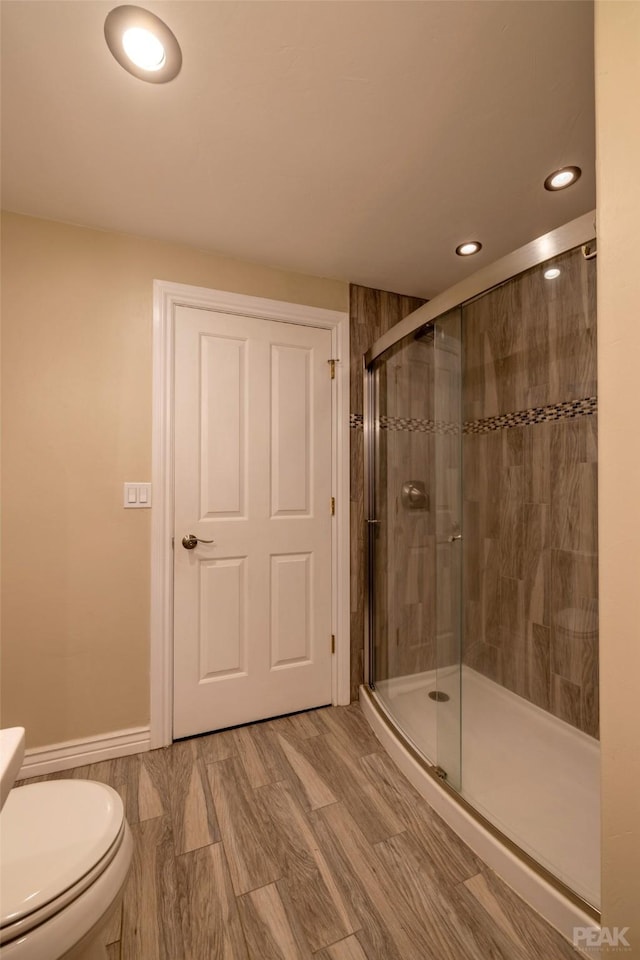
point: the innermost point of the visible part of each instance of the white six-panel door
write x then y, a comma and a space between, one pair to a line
252, 610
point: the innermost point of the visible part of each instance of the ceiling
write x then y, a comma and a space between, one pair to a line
355, 140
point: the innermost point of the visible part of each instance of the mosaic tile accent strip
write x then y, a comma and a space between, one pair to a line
414, 424
523, 418
519, 418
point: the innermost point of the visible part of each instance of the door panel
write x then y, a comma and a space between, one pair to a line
291, 461
222, 407
291, 604
252, 610
223, 617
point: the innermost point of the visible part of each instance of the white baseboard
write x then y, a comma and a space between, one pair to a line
77, 753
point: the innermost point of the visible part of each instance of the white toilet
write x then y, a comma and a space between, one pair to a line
65, 853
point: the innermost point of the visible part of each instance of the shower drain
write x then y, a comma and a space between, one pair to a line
438, 695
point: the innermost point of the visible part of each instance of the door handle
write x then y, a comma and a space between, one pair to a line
190, 542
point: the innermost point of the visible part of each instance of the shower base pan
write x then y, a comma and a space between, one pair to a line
525, 776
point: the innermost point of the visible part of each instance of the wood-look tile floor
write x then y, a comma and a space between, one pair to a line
299, 838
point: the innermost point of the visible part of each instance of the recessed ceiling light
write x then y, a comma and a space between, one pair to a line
143, 48
469, 248
143, 44
552, 273
562, 178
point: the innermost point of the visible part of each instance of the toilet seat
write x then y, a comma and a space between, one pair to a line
61, 838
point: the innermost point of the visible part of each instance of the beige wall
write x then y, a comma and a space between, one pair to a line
76, 382
618, 163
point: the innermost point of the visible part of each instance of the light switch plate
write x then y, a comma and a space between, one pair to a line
137, 495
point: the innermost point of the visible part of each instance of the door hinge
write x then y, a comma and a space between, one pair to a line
333, 506
332, 367
333, 643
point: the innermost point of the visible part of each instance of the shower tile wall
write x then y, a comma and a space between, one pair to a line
372, 313
530, 489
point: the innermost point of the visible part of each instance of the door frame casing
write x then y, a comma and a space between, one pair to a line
166, 297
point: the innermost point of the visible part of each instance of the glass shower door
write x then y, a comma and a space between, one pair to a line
401, 537
447, 492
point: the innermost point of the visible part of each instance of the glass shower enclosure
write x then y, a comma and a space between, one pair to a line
480, 429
